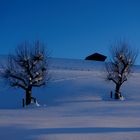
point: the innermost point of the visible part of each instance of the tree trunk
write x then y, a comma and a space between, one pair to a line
28, 96
117, 92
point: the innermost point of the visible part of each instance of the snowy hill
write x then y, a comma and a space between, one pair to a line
61, 71
75, 105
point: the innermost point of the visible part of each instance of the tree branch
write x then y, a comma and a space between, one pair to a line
39, 85
16, 84
18, 78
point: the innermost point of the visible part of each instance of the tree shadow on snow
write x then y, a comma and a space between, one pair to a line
84, 130
30, 134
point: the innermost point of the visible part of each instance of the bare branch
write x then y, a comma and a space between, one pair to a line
27, 68
122, 61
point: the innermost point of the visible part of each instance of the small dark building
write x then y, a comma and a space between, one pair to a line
96, 57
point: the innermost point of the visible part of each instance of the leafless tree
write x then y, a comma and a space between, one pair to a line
120, 66
27, 69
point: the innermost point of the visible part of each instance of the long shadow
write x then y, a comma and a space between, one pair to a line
22, 133
84, 130
77, 101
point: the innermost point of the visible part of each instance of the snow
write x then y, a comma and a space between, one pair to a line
74, 106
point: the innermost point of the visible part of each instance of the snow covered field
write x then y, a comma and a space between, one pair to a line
74, 106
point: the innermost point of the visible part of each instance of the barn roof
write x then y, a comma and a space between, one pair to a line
96, 57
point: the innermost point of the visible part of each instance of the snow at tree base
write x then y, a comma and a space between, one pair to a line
75, 105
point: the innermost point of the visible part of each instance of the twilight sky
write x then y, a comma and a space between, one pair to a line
70, 28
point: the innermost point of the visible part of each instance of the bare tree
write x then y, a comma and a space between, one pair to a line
27, 68
120, 66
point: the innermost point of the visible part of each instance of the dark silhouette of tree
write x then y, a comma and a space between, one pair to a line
120, 65
27, 69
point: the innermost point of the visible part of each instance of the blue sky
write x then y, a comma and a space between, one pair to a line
70, 28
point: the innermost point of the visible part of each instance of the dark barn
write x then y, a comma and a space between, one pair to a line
96, 57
